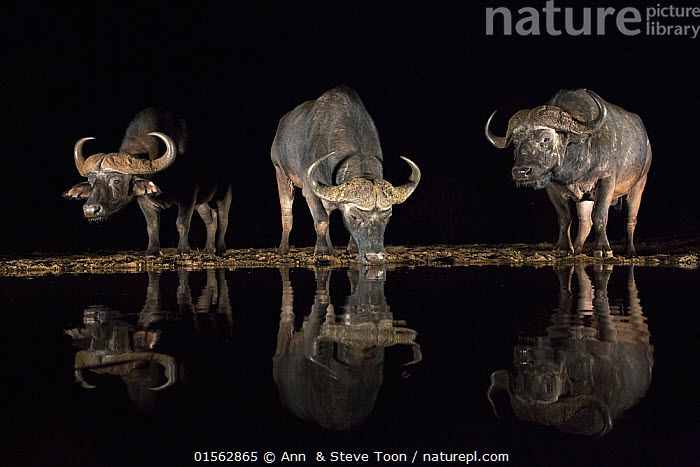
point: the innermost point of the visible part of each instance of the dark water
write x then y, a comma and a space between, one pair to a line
582, 366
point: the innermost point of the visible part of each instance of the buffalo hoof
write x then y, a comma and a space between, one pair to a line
210, 250
602, 253
561, 252
184, 249
153, 252
220, 250
631, 253
283, 250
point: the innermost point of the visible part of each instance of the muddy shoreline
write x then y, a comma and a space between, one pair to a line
679, 254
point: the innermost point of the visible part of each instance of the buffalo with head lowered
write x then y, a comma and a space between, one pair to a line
330, 149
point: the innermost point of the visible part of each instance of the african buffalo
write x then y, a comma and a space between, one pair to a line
594, 363
115, 179
579, 147
331, 370
113, 343
330, 149
113, 346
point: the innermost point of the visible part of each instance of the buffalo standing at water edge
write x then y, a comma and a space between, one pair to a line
579, 147
116, 179
330, 149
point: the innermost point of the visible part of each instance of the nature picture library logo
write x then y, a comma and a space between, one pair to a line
660, 20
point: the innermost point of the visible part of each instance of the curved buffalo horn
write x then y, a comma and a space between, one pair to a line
348, 190
169, 369
164, 161
417, 355
500, 381
563, 415
80, 379
555, 117
497, 141
78, 155
595, 124
329, 193
399, 194
125, 163
502, 142
166, 361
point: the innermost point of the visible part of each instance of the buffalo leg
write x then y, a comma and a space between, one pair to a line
352, 246
152, 304
604, 195
184, 293
320, 216
222, 207
285, 189
209, 293
635, 307
583, 209
328, 230
285, 332
209, 217
634, 199
152, 215
607, 331
561, 205
223, 305
564, 275
184, 218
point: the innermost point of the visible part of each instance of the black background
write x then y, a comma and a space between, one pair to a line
428, 75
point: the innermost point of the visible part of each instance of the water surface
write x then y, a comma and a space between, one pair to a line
576, 366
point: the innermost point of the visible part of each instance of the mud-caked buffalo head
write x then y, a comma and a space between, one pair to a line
366, 205
111, 347
113, 178
552, 389
540, 137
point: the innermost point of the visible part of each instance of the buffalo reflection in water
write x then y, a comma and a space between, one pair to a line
593, 364
330, 371
111, 343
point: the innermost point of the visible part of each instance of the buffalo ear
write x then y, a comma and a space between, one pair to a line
79, 191
144, 187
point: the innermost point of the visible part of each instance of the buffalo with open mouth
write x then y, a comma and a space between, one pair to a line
579, 147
